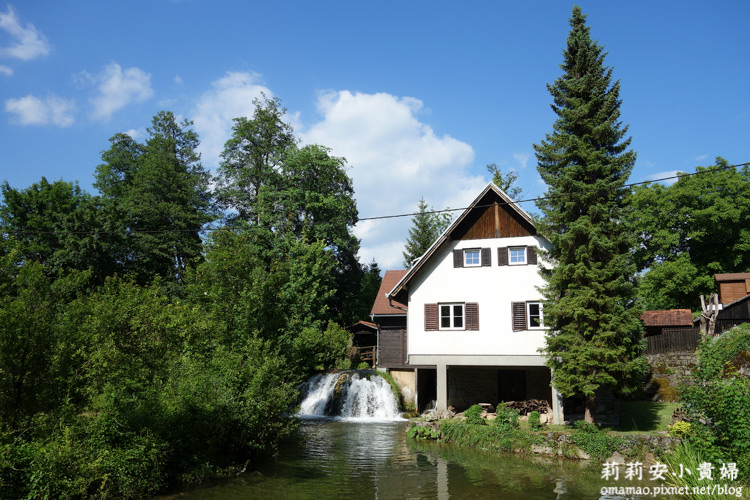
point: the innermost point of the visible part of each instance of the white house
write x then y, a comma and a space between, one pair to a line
475, 320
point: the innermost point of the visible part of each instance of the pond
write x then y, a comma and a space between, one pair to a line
376, 460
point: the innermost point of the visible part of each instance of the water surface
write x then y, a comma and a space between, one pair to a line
375, 460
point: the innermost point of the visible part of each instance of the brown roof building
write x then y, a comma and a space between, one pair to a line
732, 286
382, 306
655, 321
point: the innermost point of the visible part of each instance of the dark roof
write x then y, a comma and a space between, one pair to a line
381, 306
671, 317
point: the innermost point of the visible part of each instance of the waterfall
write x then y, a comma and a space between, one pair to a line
361, 395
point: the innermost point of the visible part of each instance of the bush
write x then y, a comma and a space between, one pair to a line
720, 399
535, 421
598, 444
507, 418
474, 415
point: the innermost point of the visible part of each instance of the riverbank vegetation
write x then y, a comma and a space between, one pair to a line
156, 334
708, 425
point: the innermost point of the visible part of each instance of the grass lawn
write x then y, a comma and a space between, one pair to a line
645, 416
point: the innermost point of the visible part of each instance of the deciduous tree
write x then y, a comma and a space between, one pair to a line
689, 231
594, 337
157, 199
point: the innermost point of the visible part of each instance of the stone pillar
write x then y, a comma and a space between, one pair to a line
442, 387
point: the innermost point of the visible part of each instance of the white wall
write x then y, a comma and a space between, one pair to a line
493, 288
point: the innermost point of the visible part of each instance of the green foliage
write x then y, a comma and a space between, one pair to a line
721, 397
535, 422
427, 226
156, 199
687, 456
486, 437
689, 231
473, 415
679, 429
278, 189
506, 418
598, 444
417, 432
54, 224
505, 181
595, 336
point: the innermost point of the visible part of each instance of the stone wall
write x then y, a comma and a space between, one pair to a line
666, 372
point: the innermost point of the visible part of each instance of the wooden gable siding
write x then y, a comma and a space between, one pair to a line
494, 221
729, 291
392, 348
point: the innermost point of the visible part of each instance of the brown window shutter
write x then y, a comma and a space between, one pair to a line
430, 317
531, 256
486, 257
502, 256
518, 310
472, 316
458, 258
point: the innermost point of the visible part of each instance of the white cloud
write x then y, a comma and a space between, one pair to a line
522, 159
5, 70
31, 110
30, 43
231, 97
668, 177
395, 160
116, 88
178, 80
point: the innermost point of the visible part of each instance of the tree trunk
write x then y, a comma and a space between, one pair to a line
590, 410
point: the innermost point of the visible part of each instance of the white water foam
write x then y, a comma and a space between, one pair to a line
361, 398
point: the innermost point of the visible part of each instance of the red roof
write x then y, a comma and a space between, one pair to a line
672, 317
382, 307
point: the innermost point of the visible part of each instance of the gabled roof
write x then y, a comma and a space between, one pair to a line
382, 306
671, 317
489, 195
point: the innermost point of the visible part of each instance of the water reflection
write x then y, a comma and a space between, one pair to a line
376, 461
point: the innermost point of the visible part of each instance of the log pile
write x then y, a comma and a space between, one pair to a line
529, 405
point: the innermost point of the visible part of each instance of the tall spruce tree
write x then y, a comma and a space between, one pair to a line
426, 227
595, 337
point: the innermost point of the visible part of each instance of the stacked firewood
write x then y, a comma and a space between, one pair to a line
529, 405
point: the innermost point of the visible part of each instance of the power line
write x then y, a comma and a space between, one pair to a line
379, 217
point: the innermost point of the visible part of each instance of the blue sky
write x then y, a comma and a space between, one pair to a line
418, 96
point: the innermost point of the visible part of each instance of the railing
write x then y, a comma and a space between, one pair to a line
367, 354
673, 340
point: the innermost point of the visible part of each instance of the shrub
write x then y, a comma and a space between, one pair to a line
679, 429
598, 444
720, 398
474, 415
507, 418
535, 421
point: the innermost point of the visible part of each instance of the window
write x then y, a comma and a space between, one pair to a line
516, 256
451, 316
471, 258
536, 318
527, 316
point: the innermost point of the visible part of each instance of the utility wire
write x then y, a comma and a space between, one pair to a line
379, 217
